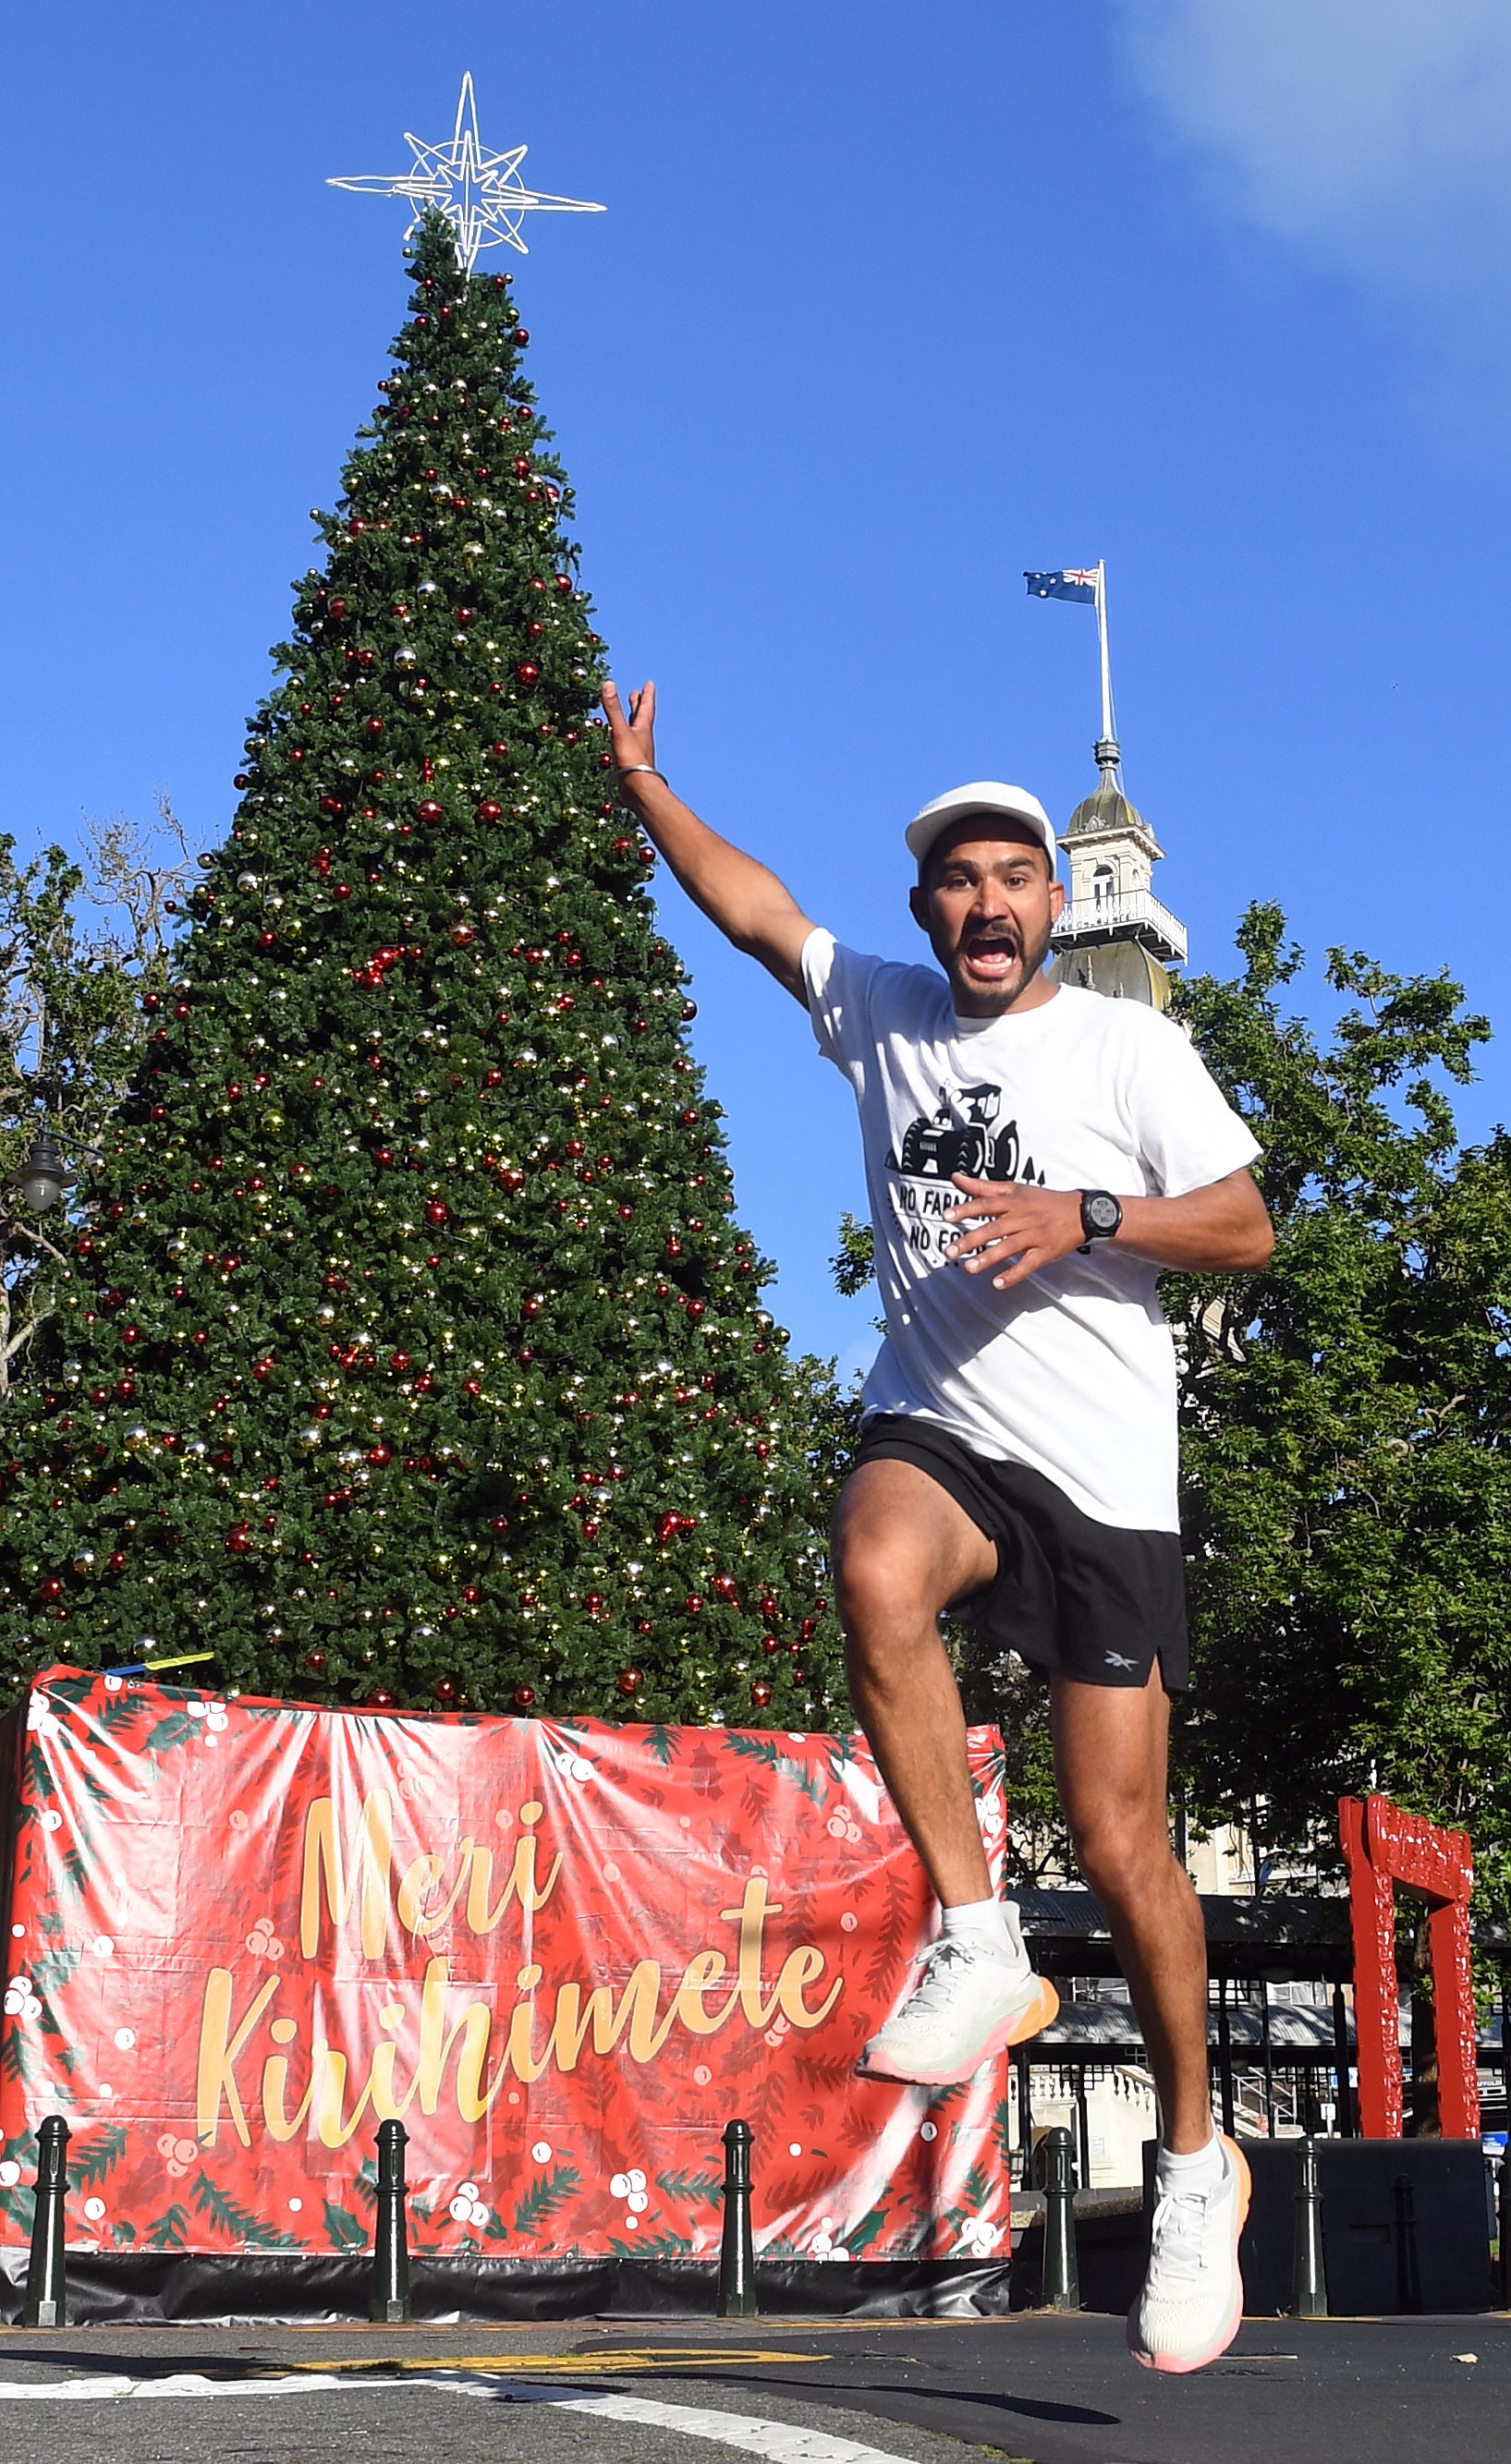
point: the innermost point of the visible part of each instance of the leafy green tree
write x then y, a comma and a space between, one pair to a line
1345, 1416
72, 983
418, 1355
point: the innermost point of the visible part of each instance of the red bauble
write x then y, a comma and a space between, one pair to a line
726, 1590
761, 1693
528, 672
629, 1680
768, 1606
523, 1697
462, 934
51, 1589
430, 810
381, 1700
770, 1643
435, 1211
693, 1603
336, 607
522, 467
315, 1662
445, 1689
489, 811
238, 1539
594, 1603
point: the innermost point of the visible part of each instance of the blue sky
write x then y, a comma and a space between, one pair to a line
889, 303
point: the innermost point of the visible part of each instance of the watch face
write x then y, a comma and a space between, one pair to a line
1104, 1213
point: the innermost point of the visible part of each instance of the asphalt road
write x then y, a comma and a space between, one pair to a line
1048, 2390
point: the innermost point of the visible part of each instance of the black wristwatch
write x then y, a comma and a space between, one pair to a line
1100, 1216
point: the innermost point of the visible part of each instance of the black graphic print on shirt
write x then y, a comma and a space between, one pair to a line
963, 1135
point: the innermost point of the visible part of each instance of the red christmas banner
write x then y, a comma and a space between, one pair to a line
243, 1933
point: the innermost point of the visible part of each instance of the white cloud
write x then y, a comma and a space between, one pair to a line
1377, 134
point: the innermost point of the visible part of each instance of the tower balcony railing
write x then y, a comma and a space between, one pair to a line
1137, 915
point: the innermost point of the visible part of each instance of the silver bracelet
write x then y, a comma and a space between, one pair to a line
625, 769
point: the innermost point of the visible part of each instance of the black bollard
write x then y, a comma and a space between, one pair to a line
1061, 2280
1308, 2265
1505, 2228
46, 2284
737, 2286
1407, 2274
391, 2252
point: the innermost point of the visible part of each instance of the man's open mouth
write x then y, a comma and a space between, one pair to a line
990, 954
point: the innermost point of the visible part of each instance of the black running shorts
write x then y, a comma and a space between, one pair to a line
1071, 1596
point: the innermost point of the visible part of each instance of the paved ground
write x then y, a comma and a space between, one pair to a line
1052, 2390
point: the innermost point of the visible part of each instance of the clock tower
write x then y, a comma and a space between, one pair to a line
1114, 936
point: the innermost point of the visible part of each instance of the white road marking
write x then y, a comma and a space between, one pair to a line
778, 2441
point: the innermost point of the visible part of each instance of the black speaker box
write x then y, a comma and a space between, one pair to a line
1406, 2225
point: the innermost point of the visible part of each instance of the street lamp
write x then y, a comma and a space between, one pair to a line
43, 1177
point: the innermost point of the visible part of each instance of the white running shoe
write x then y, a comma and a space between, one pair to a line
1192, 2305
971, 2004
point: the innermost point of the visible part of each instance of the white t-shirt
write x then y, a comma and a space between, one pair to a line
1073, 1371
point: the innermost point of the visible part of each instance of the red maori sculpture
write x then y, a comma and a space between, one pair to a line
1384, 1848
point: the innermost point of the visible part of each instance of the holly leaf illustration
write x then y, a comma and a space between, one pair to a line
174, 1728
343, 2229
861, 2236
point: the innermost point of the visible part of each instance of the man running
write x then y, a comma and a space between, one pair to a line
1034, 1155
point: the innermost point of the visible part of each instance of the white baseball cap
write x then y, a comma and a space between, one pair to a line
982, 796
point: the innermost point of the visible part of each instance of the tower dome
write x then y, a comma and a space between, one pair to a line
1113, 936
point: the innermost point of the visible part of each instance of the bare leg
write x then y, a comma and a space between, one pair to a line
1111, 1757
902, 1551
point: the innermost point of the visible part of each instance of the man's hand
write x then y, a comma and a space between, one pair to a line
633, 736
1221, 1230
1013, 1219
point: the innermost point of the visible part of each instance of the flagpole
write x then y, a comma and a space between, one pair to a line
1108, 737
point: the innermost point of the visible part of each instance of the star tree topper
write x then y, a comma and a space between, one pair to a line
480, 193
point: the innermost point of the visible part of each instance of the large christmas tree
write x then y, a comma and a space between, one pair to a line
416, 1353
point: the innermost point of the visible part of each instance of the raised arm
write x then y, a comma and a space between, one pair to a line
757, 912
